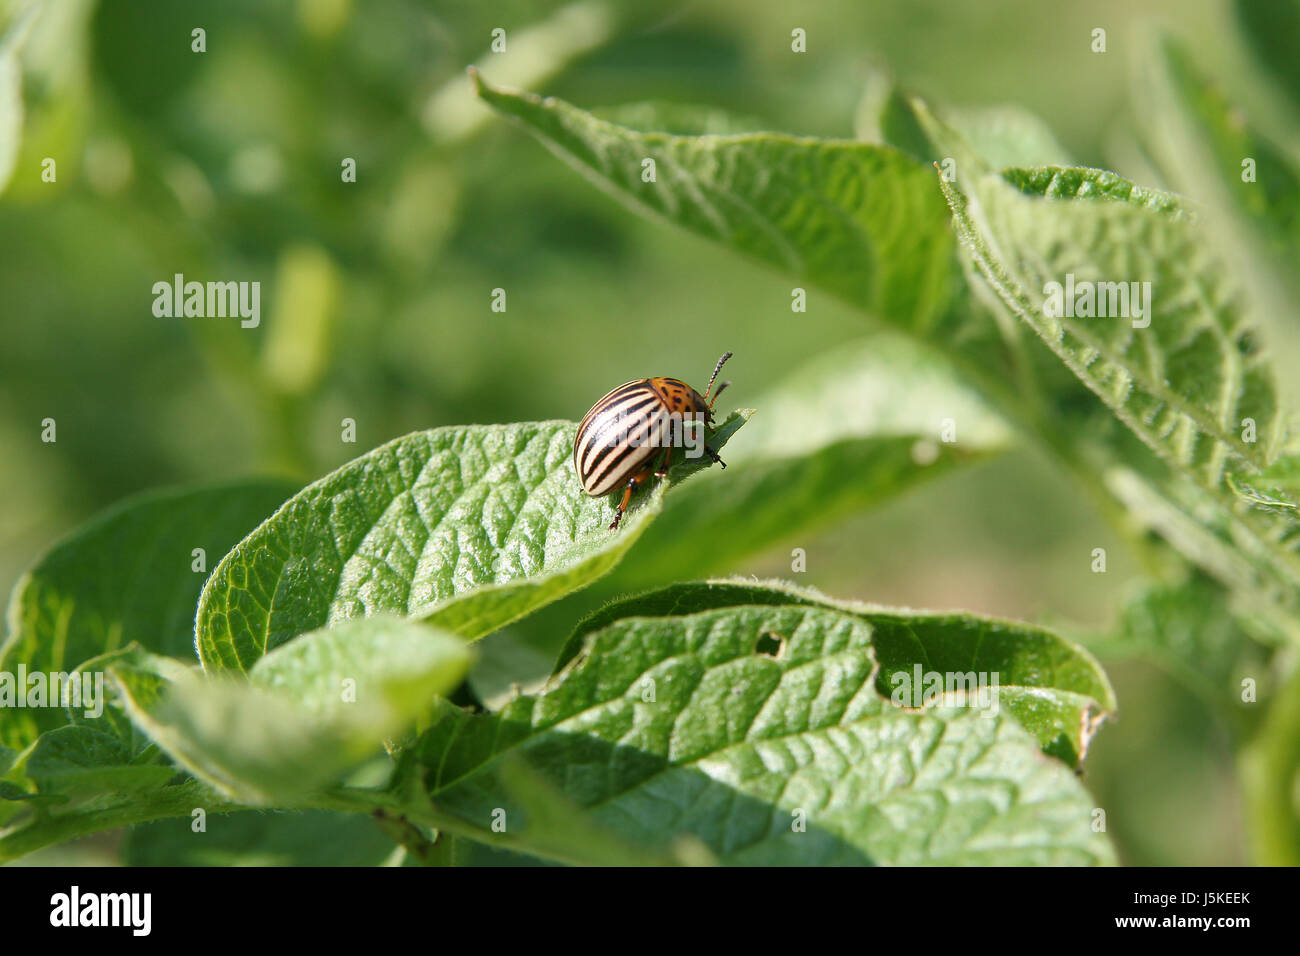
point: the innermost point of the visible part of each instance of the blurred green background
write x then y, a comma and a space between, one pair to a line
376, 294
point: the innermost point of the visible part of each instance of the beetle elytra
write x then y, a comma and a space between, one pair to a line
629, 435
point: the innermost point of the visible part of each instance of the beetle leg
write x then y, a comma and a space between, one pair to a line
714, 456
662, 470
632, 482
623, 505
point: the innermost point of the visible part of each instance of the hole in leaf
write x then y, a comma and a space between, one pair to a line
770, 644
1248, 343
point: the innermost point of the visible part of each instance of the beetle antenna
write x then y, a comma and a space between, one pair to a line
718, 392
712, 378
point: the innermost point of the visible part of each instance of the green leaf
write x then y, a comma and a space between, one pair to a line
1190, 519
109, 718
1185, 383
17, 801
861, 220
885, 116
1003, 135
307, 838
672, 726
397, 664
11, 791
680, 119
1275, 488
557, 828
562, 31
1201, 138
505, 661
468, 527
11, 91
1191, 630
14, 796
1054, 687
1281, 476
840, 434
307, 712
1271, 27
1202, 142
82, 760
126, 576
834, 213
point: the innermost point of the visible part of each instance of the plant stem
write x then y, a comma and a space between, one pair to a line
430, 852
1268, 769
176, 801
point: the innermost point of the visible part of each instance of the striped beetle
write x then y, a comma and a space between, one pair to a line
622, 432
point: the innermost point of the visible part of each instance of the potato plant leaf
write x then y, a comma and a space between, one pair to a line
306, 712
13, 34
1270, 26
84, 761
1275, 488
1006, 135
1191, 629
838, 435
1183, 370
814, 208
760, 732
1250, 188
130, 575
302, 838
467, 527
861, 220
1054, 687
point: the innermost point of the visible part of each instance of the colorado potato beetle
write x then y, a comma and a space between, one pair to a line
624, 433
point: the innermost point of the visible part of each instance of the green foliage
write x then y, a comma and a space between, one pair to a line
339, 709
1192, 629
1193, 383
466, 527
127, 577
861, 220
308, 838
1185, 386
683, 724
309, 710
317, 704
72, 760
872, 410
11, 94
1052, 686
1186, 372
1268, 26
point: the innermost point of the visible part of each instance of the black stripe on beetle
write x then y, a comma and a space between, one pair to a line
620, 441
